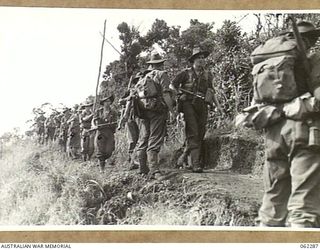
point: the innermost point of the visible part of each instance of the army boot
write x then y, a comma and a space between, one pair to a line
195, 161
142, 158
84, 157
153, 165
183, 161
102, 165
133, 164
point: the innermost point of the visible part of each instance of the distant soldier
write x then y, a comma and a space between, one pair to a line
154, 101
105, 122
195, 86
73, 140
87, 139
49, 127
40, 126
57, 123
64, 129
129, 119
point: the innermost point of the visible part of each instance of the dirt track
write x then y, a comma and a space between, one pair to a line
219, 196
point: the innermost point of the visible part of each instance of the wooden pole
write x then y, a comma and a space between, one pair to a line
99, 73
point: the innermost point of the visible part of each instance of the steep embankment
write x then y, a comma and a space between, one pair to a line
41, 186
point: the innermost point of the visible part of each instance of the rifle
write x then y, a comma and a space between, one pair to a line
300, 46
191, 93
125, 112
306, 65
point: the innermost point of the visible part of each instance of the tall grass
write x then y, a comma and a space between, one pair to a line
39, 185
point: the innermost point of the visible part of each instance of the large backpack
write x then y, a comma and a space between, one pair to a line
148, 91
274, 70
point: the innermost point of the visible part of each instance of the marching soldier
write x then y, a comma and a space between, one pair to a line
64, 129
195, 85
73, 141
57, 122
105, 122
154, 102
40, 126
286, 106
128, 117
87, 145
49, 127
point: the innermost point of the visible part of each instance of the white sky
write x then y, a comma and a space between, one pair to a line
52, 54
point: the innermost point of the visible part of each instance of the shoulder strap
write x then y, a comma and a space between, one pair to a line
155, 77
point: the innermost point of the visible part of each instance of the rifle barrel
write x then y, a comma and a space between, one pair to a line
191, 93
300, 46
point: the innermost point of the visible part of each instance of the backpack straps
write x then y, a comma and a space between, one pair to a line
156, 79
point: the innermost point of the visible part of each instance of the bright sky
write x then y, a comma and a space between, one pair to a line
52, 54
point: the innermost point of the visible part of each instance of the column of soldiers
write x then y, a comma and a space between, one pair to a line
146, 125
292, 169
84, 129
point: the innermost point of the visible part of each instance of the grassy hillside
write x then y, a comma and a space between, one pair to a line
40, 186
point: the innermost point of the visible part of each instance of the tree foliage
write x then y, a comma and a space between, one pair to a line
197, 35
230, 50
130, 47
229, 59
231, 69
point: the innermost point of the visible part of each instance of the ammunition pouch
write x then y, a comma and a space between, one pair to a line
314, 133
305, 111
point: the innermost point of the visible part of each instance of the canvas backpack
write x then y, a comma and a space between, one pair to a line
148, 91
274, 71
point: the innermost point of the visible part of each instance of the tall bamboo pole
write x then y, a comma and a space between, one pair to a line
99, 73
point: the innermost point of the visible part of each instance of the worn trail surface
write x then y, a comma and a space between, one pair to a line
224, 195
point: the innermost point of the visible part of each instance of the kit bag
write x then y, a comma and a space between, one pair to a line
273, 71
148, 92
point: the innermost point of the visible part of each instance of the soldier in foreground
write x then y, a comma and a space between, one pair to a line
105, 122
286, 105
196, 92
154, 101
